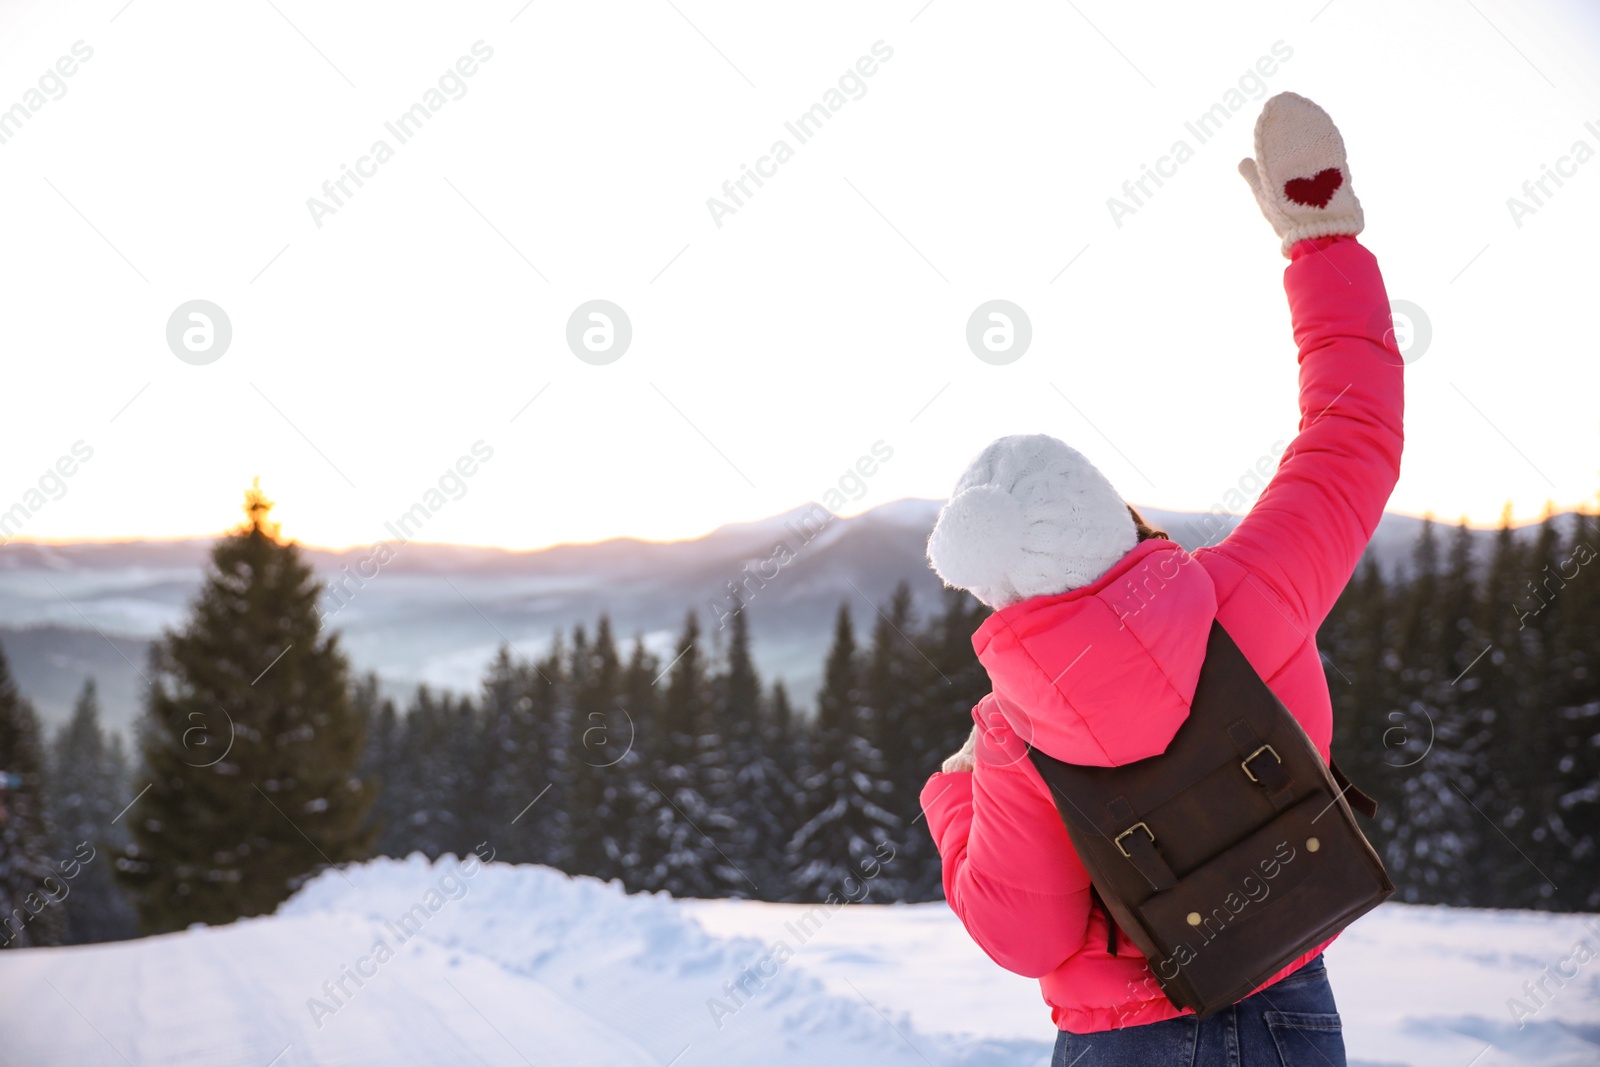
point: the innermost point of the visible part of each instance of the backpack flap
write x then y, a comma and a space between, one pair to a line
1229, 854
1242, 917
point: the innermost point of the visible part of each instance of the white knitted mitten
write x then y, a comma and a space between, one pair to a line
962, 760
1300, 175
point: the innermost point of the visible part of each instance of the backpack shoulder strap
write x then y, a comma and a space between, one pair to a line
1111, 922
1356, 798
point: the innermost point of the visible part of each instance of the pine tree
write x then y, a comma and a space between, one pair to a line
432, 793
1564, 794
1578, 805
683, 852
514, 756
87, 790
783, 743
899, 678
1428, 756
382, 765
1460, 738
1407, 719
630, 758
548, 713
1357, 642
751, 789
594, 795
477, 765
560, 819
1506, 701
957, 684
847, 831
31, 888
249, 741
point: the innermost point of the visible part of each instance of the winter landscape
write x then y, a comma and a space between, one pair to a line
574, 765
518, 965
509, 514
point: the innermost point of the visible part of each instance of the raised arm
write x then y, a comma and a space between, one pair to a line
1305, 535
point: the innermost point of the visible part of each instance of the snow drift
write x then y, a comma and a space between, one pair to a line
409, 962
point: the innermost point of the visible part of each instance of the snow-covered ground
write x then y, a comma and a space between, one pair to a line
403, 963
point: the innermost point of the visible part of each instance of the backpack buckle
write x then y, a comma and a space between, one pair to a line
1136, 826
1245, 763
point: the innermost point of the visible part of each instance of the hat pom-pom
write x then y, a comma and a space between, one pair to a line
978, 539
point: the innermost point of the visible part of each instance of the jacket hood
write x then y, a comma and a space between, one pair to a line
1103, 674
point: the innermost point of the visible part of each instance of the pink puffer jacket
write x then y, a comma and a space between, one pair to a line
1103, 674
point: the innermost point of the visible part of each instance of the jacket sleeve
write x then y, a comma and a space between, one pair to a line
1306, 532
1011, 873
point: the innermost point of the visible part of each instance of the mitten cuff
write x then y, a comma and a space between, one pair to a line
1347, 225
961, 761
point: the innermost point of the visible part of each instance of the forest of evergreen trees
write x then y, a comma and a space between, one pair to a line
1466, 697
1467, 703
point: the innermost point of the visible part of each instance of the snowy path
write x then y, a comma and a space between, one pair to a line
525, 966
237, 996
512, 966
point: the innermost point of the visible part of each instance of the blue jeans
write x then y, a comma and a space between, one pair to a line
1292, 1023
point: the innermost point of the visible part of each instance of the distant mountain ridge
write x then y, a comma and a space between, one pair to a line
436, 613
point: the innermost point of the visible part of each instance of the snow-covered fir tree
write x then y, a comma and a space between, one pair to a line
594, 792
748, 786
684, 827
898, 680
630, 755
31, 890
954, 684
847, 833
88, 788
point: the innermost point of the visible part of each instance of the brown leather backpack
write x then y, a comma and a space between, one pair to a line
1230, 853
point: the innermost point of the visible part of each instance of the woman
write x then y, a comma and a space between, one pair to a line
1101, 622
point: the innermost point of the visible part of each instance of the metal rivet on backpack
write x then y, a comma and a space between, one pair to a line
1194, 918
1312, 844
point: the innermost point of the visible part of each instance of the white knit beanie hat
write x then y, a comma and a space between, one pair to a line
1031, 516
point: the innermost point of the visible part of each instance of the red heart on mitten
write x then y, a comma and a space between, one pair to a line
1314, 191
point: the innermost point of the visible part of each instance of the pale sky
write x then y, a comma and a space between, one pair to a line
826, 314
